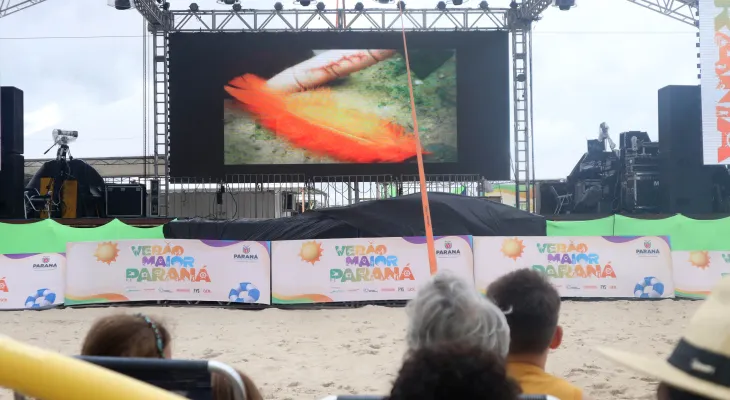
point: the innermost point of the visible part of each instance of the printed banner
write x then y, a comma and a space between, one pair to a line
183, 270
696, 273
31, 281
362, 269
598, 266
714, 25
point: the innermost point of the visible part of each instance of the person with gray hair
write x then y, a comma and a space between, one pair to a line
449, 310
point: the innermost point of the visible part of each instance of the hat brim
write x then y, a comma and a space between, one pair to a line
666, 373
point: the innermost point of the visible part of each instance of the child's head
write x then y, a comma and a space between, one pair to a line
124, 335
532, 306
223, 390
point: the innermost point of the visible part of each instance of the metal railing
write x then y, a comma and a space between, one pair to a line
275, 196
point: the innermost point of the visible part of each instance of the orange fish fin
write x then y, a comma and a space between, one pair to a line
317, 122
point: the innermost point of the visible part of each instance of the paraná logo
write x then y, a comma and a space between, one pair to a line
448, 251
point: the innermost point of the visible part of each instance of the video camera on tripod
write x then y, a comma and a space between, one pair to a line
62, 138
64, 187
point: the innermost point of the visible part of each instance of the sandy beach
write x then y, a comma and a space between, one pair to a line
310, 354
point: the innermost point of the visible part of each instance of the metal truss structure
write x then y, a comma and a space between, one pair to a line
505, 19
680, 10
301, 20
517, 20
108, 167
8, 7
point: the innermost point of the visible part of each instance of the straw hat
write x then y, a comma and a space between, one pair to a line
700, 363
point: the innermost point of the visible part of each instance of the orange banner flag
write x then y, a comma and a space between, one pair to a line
419, 155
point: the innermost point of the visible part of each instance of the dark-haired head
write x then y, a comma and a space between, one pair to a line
124, 335
666, 392
453, 371
532, 307
223, 389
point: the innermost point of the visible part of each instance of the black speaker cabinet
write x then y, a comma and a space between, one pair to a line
642, 192
125, 200
12, 205
11, 120
685, 183
154, 197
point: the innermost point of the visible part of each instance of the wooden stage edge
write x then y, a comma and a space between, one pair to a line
94, 222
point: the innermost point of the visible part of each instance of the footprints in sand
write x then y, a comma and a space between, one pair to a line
209, 354
587, 369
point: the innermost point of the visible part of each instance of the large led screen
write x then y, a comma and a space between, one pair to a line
325, 103
343, 106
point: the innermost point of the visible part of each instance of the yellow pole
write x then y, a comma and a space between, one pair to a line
47, 375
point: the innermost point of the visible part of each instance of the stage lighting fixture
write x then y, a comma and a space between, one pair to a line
484, 5
237, 7
122, 4
457, 2
401, 5
304, 3
320, 6
441, 5
229, 2
194, 7
278, 6
359, 6
384, 1
565, 5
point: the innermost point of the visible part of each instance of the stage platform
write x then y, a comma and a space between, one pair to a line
94, 222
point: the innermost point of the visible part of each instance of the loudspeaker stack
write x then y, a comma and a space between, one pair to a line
11, 153
686, 184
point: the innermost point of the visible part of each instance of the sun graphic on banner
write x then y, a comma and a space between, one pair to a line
513, 248
106, 252
311, 252
699, 259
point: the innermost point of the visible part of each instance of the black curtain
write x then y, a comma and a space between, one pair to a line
401, 216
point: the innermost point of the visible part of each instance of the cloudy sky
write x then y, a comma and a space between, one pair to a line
80, 65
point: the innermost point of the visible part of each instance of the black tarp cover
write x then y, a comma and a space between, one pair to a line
401, 216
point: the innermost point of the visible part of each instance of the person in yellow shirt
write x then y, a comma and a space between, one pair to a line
532, 307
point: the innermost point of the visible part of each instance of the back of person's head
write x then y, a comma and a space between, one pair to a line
453, 371
223, 389
448, 309
666, 392
532, 307
124, 335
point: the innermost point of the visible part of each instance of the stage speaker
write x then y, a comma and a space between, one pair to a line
685, 183
642, 193
11, 120
154, 197
12, 205
125, 200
